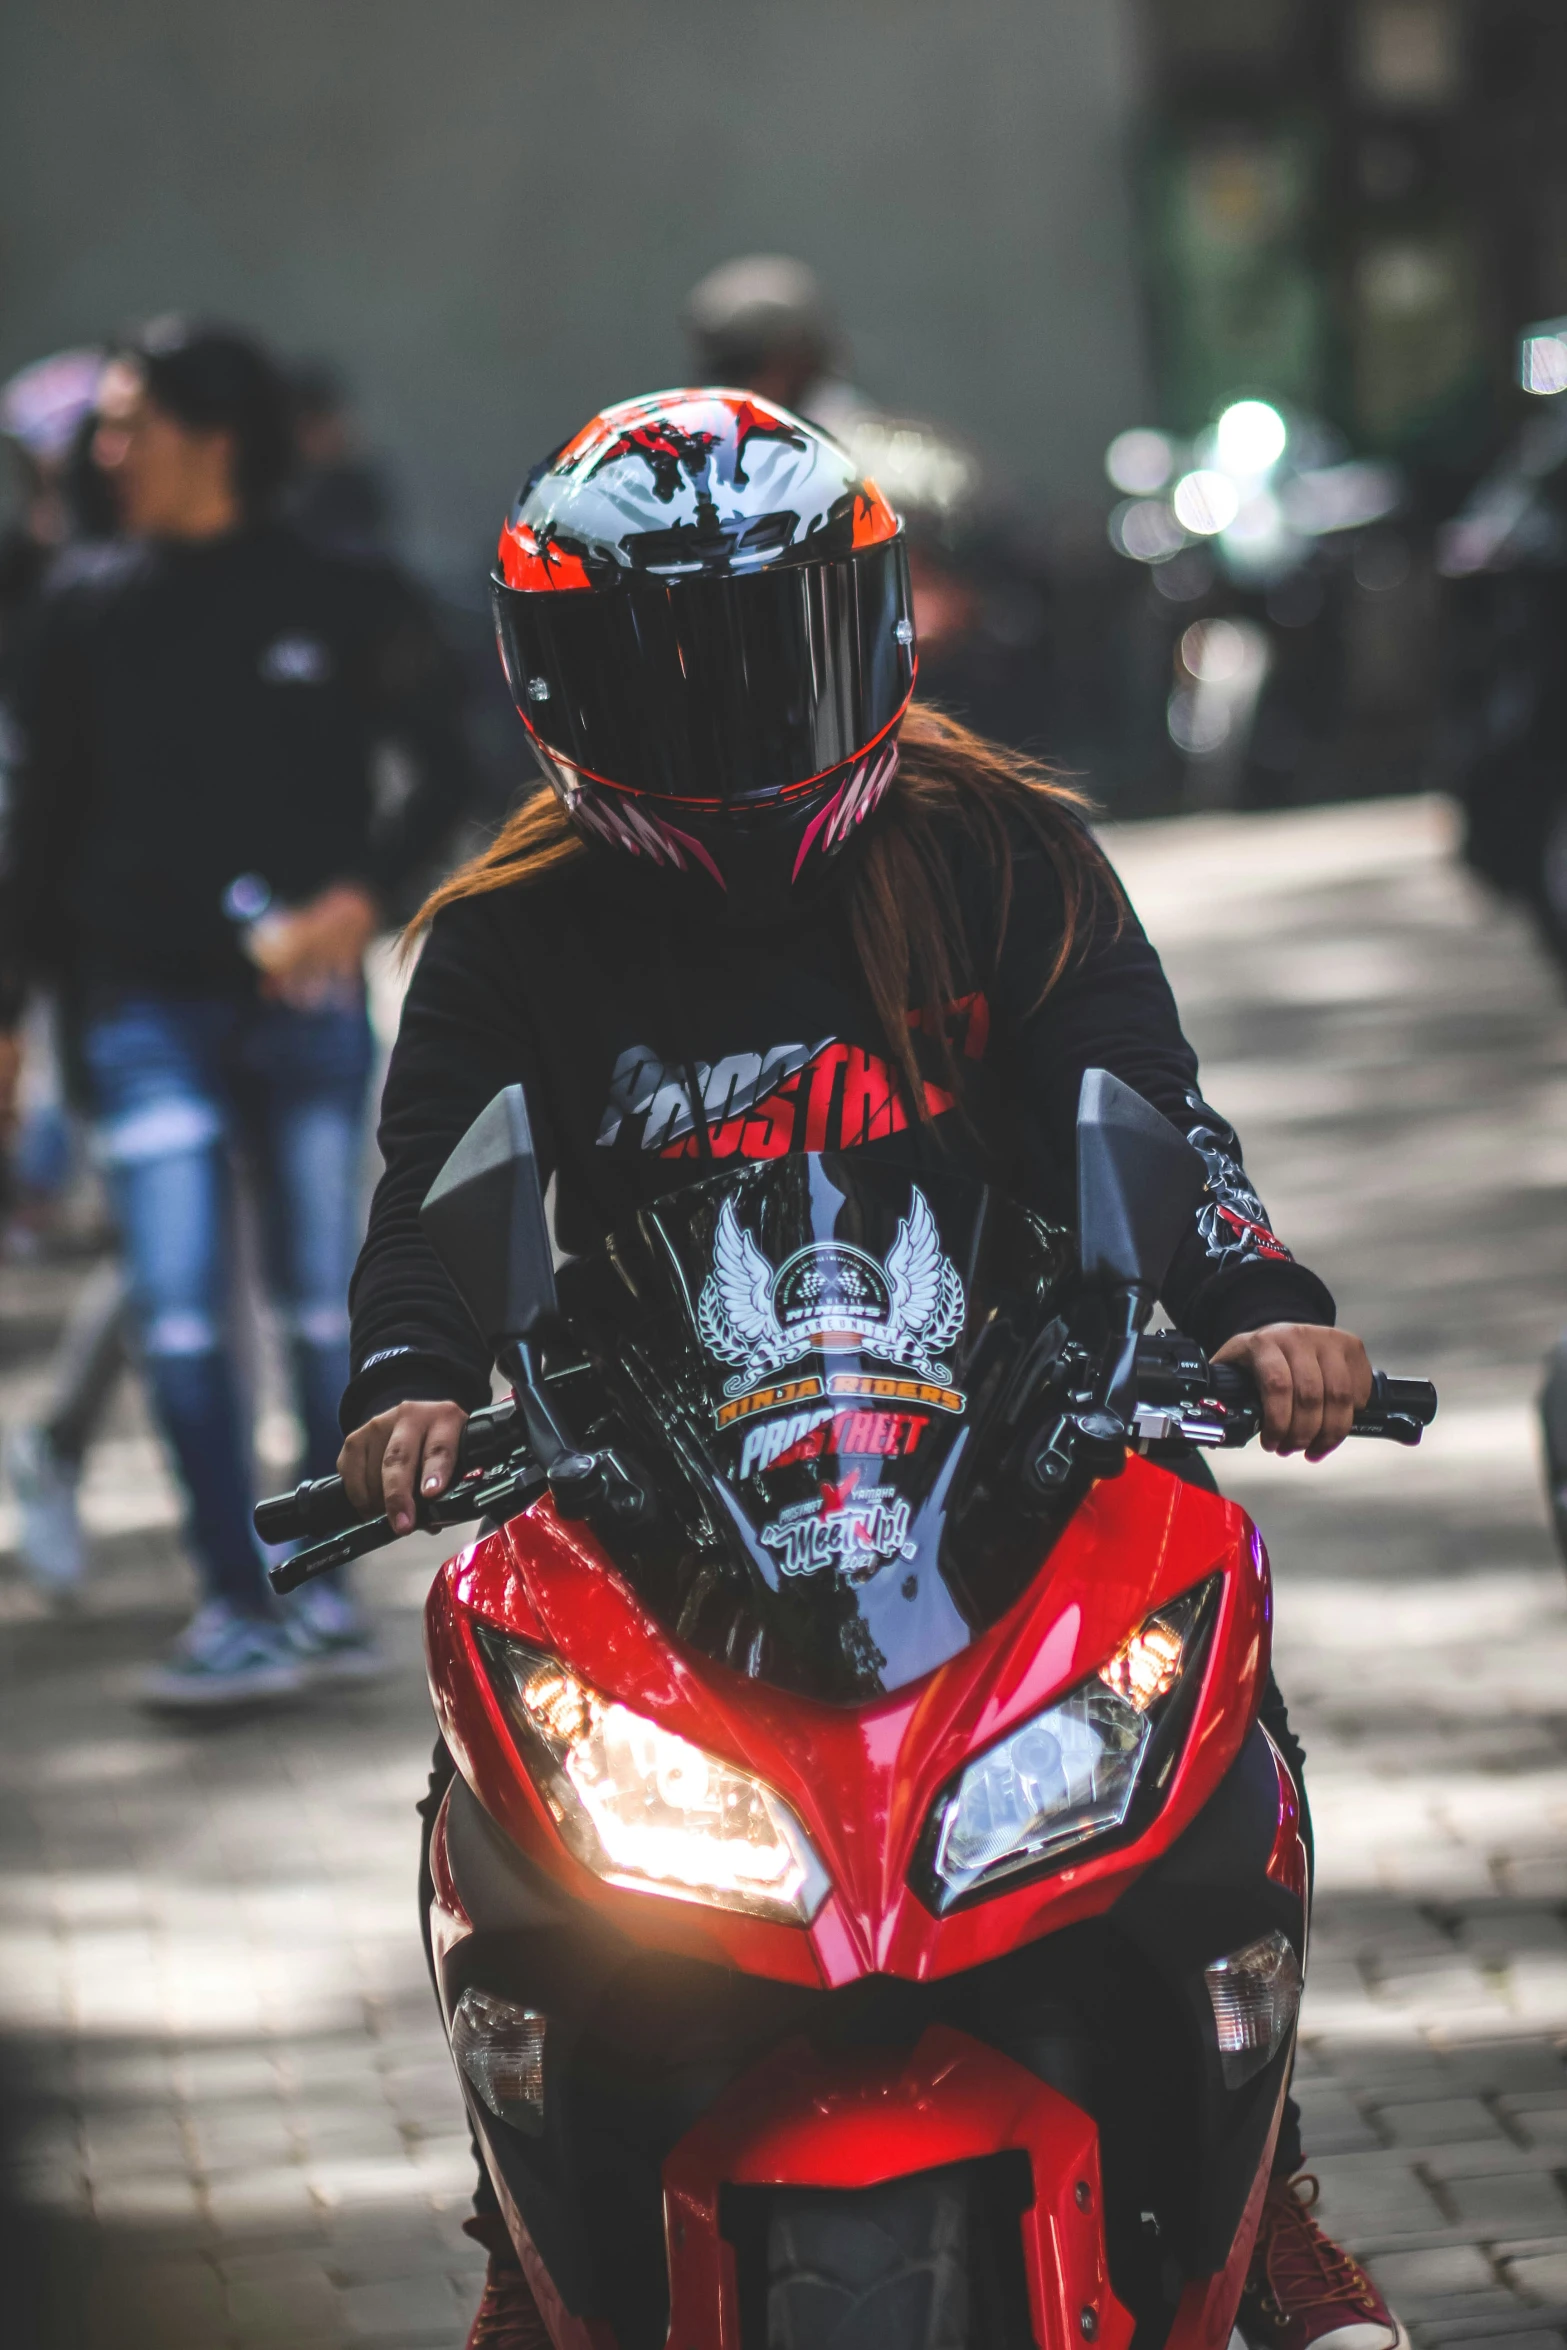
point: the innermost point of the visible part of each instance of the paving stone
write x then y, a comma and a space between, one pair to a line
285, 2303
393, 2311
1517, 2067
1521, 2337
1374, 2195
1541, 2276
1437, 2121
1539, 2120
1519, 2202
1487, 2158
1331, 2122
1414, 2280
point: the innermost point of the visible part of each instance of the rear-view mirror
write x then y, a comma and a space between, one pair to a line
484, 1217
1138, 1184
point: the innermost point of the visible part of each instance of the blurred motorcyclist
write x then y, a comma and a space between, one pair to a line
195, 855
763, 322
1252, 535
1504, 556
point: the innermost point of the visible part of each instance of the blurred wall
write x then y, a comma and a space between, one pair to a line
489, 209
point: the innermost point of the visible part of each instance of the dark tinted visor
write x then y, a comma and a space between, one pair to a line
718, 690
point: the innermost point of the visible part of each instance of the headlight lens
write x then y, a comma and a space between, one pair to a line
644, 1808
1068, 1774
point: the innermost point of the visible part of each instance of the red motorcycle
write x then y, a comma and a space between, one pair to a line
867, 1910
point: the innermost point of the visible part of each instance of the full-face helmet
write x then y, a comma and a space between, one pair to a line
703, 610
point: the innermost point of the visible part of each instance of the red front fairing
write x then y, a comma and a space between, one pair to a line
863, 1780
797, 2120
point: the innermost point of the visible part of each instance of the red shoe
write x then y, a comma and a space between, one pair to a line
1302, 2292
508, 2316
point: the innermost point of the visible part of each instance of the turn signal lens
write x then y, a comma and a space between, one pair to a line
644, 1808
1147, 1666
1256, 1997
500, 2047
1067, 1775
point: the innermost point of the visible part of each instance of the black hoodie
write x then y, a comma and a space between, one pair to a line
190, 713
614, 1013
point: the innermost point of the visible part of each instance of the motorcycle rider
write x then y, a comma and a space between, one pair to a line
764, 905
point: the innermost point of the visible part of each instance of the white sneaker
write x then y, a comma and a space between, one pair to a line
223, 1658
52, 1552
330, 1635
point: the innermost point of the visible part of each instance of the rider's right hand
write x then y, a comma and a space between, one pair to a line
410, 1450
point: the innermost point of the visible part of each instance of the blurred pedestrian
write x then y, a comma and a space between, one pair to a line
45, 412
47, 417
197, 855
338, 497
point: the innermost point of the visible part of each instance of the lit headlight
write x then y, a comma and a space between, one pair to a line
645, 1809
1071, 1772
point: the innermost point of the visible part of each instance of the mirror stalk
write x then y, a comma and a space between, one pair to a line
1139, 1182
484, 1216
1131, 1310
519, 1362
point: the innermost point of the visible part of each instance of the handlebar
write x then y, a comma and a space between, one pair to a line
1181, 1396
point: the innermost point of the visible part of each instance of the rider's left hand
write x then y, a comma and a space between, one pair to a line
1312, 1381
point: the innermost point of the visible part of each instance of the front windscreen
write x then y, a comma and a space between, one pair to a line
828, 1371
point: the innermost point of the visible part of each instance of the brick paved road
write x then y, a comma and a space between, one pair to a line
234, 2123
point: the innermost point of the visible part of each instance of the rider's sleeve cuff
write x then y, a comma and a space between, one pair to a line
1253, 1295
404, 1375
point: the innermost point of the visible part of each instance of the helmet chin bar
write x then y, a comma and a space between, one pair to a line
768, 864
862, 789
625, 821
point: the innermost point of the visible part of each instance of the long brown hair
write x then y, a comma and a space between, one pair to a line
904, 913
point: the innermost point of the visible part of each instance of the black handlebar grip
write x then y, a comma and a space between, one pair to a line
1397, 1409
321, 1505
1232, 1384
1410, 1399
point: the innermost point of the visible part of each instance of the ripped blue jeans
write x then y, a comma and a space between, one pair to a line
181, 1086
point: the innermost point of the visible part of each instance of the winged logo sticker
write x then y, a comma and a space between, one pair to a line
831, 1299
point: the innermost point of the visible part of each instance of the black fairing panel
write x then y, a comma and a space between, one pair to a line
1211, 1894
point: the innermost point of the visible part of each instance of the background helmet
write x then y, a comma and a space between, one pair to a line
704, 615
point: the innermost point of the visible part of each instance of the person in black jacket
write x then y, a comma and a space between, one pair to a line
766, 906
196, 861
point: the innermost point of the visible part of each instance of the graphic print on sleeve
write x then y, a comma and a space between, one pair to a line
1232, 1220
